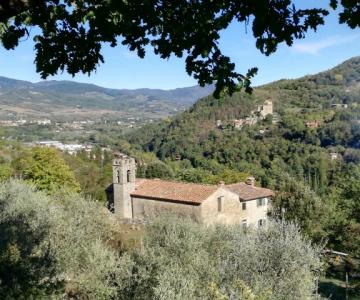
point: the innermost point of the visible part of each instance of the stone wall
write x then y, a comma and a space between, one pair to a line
255, 213
122, 200
266, 109
208, 212
231, 212
124, 170
144, 209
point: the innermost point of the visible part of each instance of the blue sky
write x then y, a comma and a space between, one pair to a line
329, 46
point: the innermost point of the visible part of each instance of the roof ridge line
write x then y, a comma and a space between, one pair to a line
179, 181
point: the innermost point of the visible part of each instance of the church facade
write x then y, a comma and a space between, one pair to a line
142, 199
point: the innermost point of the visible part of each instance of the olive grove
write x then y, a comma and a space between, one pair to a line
60, 246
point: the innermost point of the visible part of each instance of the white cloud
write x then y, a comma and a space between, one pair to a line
314, 48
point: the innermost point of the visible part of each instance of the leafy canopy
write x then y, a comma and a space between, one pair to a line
48, 171
71, 33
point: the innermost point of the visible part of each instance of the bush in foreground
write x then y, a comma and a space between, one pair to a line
51, 246
184, 260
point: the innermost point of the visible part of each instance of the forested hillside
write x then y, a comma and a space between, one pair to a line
314, 168
193, 135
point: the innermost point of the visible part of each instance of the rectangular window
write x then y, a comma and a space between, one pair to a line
244, 224
261, 223
243, 205
261, 202
220, 203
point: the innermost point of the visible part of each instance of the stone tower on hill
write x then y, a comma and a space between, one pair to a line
124, 170
265, 109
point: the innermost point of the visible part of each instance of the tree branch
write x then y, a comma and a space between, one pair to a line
11, 8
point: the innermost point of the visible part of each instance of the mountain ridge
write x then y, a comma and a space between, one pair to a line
54, 99
58, 83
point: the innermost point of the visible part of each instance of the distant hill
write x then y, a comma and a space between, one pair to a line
311, 95
193, 135
73, 100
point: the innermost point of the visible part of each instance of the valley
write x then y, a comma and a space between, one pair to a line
69, 101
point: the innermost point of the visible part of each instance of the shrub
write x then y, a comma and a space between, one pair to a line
184, 260
52, 243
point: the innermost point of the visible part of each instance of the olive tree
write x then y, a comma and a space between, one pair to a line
51, 246
185, 260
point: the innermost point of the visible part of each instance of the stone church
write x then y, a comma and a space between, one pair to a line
141, 199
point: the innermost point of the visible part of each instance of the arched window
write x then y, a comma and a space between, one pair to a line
128, 175
118, 176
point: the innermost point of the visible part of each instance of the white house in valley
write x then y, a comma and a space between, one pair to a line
141, 199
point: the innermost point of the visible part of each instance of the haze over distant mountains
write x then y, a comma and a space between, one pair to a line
73, 100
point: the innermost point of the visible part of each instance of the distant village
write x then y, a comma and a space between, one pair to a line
72, 149
15, 123
262, 112
255, 116
267, 109
76, 124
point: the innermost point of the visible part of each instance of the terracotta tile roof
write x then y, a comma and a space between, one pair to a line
173, 191
248, 192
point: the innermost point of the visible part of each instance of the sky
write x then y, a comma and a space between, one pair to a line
330, 45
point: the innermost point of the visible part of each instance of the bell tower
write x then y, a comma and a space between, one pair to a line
124, 169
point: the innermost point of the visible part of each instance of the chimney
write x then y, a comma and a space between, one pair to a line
250, 181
